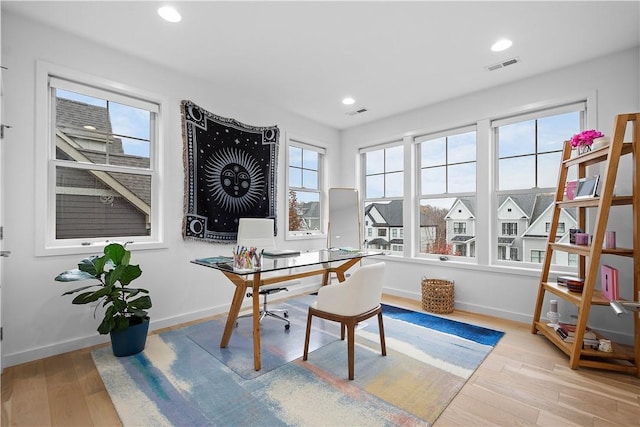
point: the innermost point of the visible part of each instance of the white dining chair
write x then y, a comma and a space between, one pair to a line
348, 303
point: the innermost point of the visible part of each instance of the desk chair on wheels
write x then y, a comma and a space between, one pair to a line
259, 232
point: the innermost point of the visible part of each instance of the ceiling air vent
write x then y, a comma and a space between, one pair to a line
503, 64
358, 111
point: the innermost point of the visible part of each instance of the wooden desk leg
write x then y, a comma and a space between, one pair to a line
325, 277
238, 296
256, 321
342, 269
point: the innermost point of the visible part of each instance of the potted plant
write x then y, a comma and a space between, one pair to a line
125, 317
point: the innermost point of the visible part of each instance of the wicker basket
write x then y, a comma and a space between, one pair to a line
437, 295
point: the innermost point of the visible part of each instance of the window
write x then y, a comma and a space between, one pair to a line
528, 149
103, 146
384, 189
560, 229
459, 227
537, 256
447, 182
304, 188
509, 228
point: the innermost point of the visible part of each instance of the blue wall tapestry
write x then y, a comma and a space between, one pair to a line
230, 173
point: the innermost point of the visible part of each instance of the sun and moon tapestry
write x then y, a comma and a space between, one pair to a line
230, 173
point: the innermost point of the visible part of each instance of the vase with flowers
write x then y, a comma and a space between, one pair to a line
582, 141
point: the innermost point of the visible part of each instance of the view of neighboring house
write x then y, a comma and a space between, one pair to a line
95, 202
523, 228
383, 226
461, 228
309, 215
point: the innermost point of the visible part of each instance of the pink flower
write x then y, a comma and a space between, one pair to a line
585, 137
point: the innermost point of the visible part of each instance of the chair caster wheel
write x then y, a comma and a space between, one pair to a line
286, 327
286, 314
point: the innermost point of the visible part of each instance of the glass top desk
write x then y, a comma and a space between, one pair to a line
322, 262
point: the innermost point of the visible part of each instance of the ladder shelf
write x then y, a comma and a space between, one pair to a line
623, 358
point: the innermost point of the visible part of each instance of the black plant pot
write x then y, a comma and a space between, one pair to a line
130, 341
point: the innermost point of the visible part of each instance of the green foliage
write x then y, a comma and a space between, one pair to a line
124, 305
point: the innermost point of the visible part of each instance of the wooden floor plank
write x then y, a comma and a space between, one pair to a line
30, 401
524, 381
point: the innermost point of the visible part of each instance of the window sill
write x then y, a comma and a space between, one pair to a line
95, 248
306, 236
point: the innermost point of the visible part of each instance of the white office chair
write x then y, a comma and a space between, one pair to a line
349, 302
259, 232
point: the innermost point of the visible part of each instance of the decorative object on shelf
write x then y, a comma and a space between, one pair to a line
582, 141
553, 314
582, 239
574, 284
609, 240
605, 345
601, 142
125, 317
570, 189
572, 234
587, 187
609, 282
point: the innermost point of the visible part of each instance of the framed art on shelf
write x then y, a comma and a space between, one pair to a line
587, 187
609, 282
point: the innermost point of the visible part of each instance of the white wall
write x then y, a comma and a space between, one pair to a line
37, 320
502, 291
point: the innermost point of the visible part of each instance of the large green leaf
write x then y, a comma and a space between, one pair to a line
129, 274
117, 253
85, 298
73, 276
121, 323
80, 289
141, 303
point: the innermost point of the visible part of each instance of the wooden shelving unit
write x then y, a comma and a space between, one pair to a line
623, 358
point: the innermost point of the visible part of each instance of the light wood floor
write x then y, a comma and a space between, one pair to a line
524, 381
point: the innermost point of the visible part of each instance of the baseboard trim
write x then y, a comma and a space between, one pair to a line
97, 339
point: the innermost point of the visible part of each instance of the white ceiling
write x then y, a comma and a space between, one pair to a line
391, 56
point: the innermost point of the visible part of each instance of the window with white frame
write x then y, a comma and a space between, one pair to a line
537, 256
447, 188
102, 165
305, 188
528, 151
384, 190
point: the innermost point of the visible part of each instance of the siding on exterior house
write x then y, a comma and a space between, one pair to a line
86, 202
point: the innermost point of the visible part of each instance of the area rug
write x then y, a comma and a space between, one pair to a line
179, 382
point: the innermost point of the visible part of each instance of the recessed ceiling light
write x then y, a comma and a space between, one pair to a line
168, 13
501, 45
348, 101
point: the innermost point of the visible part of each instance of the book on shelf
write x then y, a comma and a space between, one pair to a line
566, 332
609, 282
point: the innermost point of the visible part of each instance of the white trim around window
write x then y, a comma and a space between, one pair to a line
319, 226
45, 174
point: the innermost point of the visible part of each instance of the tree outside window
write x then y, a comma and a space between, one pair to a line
447, 187
304, 188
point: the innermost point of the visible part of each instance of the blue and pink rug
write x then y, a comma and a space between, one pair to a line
183, 378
